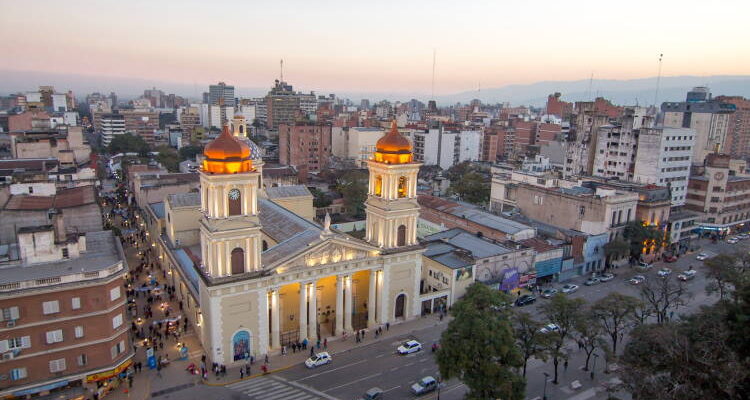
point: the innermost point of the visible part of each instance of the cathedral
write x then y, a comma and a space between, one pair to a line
256, 275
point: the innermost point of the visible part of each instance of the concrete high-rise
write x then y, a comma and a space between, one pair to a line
221, 94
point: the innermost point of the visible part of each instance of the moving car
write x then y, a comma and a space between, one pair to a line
606, 277
637, 280
525, 300
375, 393
569, 288
592, 281
742, 236
670, 259
549, 328
644, 266
701, 256
547, 293
317, 360
687, 275
733, 240
424, 385
664, 272
410, 346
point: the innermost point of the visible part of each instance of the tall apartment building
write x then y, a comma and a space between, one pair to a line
108, 125
710, 119
221, 94
63, 311
720, 191
141, 122
663, 158
738, 134
580, 147
355, 143
282, 105
189, 119
445, 148
305, 146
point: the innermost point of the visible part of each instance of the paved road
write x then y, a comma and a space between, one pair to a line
353, 372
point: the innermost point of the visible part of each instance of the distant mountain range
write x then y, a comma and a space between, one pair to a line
623, 92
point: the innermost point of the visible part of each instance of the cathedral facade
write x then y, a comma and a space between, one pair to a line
260, 276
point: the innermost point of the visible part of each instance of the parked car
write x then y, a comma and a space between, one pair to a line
687, 275
664, 272
318, 360
375, 393
549, 328
670, 259
644, 266
733, 240
525, 300
569, 288
637, 280
410, 346
742, 236
606, 277
424, 385
701, 256
592, 281
547, 293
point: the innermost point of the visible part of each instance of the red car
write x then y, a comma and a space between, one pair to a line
670, 259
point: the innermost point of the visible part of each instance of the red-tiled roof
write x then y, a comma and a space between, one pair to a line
537, 244
66, 198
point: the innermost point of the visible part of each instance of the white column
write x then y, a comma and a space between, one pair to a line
275, 335
372, 303
302, 311
383, 298
339, 305
248, 255
312, 323
348, 305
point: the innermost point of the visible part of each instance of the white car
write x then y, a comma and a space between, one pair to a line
411, 346
701, 256
637, 280
549, 328
318, 360
687, 275
569, 288
644, 266
733, 240
664, 272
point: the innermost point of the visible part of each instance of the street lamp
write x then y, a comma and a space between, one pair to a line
546, 378
594, 366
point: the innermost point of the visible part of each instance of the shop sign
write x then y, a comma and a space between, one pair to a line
110, 373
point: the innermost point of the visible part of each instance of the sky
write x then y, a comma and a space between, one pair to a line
374, 46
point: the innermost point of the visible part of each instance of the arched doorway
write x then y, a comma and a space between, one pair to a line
401, 238
400, 303
238, 261
235, 202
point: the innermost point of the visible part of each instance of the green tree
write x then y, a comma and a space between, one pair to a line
169, 158
636, 234
528, 338
479, 348
128, 143
472, 187
589, 333
564, 312
725, 272
353, 188
616, 314
320, 199
663, 296
617, 248
189, 152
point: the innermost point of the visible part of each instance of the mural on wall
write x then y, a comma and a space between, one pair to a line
241, 345
510, 279
464, 273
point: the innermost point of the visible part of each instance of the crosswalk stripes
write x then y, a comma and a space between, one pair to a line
270, 389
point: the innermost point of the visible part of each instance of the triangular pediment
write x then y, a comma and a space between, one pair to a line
330, 250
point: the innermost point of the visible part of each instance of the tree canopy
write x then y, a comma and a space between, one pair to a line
128, 143
189, 152
353, 188
478, 346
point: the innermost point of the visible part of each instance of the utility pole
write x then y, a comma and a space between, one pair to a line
281, 69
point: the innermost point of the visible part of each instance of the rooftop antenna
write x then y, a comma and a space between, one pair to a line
434, 56
658, 81
281, 69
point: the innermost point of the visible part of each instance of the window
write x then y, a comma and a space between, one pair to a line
65, 253
117, 349
18, 373
627, 219
57, 365
75, 303
31, 190
79, 332
9, 314
51, 307
82, 360
117, 321
54, 336
114, 293
582, 210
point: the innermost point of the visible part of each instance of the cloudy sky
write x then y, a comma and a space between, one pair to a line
375, 45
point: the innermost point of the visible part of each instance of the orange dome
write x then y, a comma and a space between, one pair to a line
227, 155
393, 148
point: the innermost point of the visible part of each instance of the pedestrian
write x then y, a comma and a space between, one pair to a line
247, 369
294, 347
266, 359
317, 344
242, 373
283, 350
387, 326
312, 351
158, 369
325, 343
565, 365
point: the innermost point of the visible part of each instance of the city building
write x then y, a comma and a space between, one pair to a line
109, 125
355, 143
221, 94
446, 148
293, 279
305, 146
710, 119
141, 122
663, 158
65, 143
720, 191
283, 105
738, 134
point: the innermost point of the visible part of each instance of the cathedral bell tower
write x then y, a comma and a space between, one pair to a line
229, 228
391, 207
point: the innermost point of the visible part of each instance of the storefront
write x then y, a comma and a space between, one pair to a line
106, 381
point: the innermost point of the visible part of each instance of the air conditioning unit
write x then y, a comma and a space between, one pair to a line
11, 324
8, 356
177, 242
